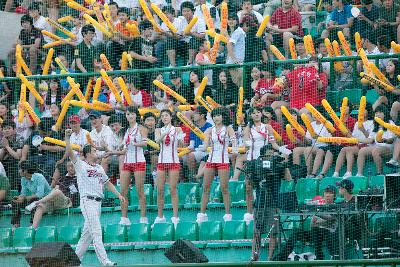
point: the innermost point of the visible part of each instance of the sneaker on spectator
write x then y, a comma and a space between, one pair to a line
31, 206
248, 217
159, 220
335, 174
227, 217
110, 263
144, 220
347, 175
359, 175
175, 221
125, 221
392, 163
201, 217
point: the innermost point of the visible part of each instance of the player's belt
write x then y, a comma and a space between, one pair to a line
98, 199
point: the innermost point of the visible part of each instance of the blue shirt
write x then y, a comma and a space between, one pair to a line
37, 185
341, 16
195, 138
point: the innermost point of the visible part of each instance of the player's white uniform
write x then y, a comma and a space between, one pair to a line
91, 180
258, 138
79, 138
134, 154
169, 146
219, 141
104, 136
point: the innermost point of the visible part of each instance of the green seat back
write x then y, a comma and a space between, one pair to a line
162, 232
23, 237
237, 191
5, 237
324, 183
115, 233
139, 232
148, 193
211, 230
354, 96
46, 234
360, 183
167, 195
215, 193
189, 193
69, 234
250, 230
187, 230
287, 186
234, 230
372, 96
377, 181
306, 188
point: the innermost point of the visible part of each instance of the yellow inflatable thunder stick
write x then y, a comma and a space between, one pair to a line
61, 143
75, 88
97, 25
89, 89
204, 103
307, 123
22, 99
61, 117
214, 49
276, 52
100, 104
292, 48
186, 107
365, 62
111, 85
202, 86
32, 113
155, 111
65, 19
189, 27
52, 35
56, 25
309, 45
393, 128
106, 63
212, 102
184, 152
262, 27
395, 47
377, 82
97, 88
290, 134
334, 117
318, 116
163, 17
292, 121
361, 111
61, 65
277, 136
239, 112
189, 124
343, 108
153, 144
379, 75
241, 149
149, 16
329, 47
76, 6
47, 62
124, 61
170, 91
125, 91
56, 43
133, 29
207, 17
339, 140
23, 65
224, 16
336, 49
89, 139
69, 96
87, 105
18, 51
345, 44
32, 89
358, 42
379, 136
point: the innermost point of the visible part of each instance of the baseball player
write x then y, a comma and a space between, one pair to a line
91, 180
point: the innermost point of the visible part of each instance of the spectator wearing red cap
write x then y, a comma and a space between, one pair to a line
285, 24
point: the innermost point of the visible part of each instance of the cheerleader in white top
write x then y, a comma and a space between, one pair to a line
133, 163
169, 137
218, 137
378, 149
256, 135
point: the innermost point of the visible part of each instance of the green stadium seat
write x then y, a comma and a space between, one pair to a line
360, 183
189, 193
210, 230
238, 193
69, 234
384, 223
162, 232
167, 197
234, 230
115, 233
353, 95
333, 98
250, 230
324, 183
23, 237
377, 181
287, 186
306, 188
5, 237
187, 230
45, 234
139, 232
215, 200
371, 96
134, 199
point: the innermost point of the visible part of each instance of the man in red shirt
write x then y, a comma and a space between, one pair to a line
307, 85
285, 24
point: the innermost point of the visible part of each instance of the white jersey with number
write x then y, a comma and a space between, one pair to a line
134, 154
219, 141
169, 145
90, 178
259, 137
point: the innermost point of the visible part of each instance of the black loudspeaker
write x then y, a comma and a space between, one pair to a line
52, 254
184, 251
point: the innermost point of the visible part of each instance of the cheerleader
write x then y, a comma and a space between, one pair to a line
134, 162
218, 137
169, 137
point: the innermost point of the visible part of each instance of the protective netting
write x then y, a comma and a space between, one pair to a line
259, 130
